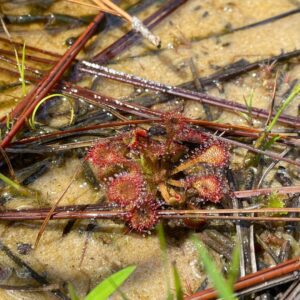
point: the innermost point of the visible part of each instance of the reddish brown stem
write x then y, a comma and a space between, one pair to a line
266, 191
99, 212
94, 98
46, 84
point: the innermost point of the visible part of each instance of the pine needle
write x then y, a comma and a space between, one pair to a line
108, 6
49, 215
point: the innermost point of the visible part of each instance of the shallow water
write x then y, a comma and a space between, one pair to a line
196, 30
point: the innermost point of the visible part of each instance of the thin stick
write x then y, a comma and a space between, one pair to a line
269, 284
9, 165
29, 57
96, 212
48, 217
183, 212
131, 37
136, 23
266, 191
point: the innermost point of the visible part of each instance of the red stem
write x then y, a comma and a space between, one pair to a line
101, 212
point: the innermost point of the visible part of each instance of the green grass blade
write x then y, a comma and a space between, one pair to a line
32, 120
218, 281
177, 283
72, 292
163, 247
261, 141
290, 98
21, 190
10, 182
22, 69
108, 286
234, 270
7, 121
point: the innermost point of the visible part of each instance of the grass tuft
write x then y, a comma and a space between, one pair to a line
222, 286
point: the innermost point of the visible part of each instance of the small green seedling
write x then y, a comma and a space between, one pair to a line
21, 68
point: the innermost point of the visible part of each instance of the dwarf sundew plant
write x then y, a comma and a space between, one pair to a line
143, 171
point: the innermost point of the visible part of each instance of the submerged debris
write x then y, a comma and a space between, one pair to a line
138, 26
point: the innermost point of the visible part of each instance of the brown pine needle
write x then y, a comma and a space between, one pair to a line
93, 211
265, 191
221, 211
136, 23
53, 208
250, 193
111, 8
9, 165
101, 8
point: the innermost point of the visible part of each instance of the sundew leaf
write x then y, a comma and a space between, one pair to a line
222, 287
111, 284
